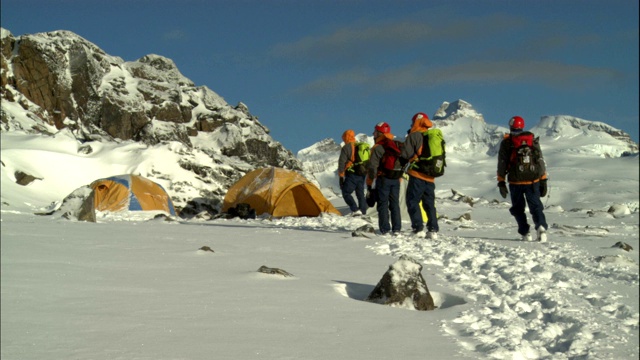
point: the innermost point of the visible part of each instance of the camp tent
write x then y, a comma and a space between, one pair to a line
278, 192
125, 193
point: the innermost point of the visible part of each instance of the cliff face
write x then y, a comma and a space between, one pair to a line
68, 82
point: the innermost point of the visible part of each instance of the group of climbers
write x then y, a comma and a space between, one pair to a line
420, 158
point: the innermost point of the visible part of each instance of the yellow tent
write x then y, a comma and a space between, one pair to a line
278, 192
130, 192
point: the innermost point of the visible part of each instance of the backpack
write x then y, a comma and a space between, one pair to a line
390, 162
432, 161
525, 158
361, 158
243, 211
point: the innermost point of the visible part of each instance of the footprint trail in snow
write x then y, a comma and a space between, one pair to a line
527, 302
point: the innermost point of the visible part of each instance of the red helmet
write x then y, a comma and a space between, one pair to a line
516, 123
383, 127
419, 116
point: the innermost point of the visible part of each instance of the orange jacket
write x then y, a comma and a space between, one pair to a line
347, 153
413, 147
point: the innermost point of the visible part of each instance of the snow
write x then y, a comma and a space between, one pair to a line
132, 286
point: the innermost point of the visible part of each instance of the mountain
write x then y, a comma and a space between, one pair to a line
85, 103
57, 82
456, 110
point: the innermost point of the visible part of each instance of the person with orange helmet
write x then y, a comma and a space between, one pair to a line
421, 186
351, 180
383, 176
520, 162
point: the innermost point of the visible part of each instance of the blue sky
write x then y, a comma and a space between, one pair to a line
310, 69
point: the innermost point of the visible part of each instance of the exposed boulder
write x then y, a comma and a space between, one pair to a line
24, 179
76, 206
619, 210
274, 271
206, 249
403, 286
623, 246
366, 230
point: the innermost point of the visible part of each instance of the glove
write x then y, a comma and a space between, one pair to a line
341, 182
543, 188
503, 189
372, 196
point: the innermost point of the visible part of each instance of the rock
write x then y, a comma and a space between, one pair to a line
24, 179
364, 231
206, 248
85, 149
163, 217
274, 271
403, 286
618, 210
623, 246
464, 217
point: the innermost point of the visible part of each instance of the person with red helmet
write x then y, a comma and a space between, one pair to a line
421, 186
383, 176
520, 162
351, 180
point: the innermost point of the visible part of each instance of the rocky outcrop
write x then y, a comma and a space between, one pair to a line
403, 286
67, 84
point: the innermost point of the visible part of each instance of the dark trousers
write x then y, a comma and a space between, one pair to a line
388, 202
521, 195
425, 191
353, 182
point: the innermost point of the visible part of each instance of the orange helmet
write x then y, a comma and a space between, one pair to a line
419, 116
420, 120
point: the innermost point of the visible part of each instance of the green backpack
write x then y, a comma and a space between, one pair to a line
361, 162
432, 161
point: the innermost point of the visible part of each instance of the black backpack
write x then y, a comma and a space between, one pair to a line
243, 211
524, 163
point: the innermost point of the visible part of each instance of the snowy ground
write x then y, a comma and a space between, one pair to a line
133, 287
142, 289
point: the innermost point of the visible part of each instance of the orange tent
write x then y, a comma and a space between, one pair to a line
278, 192
130, 192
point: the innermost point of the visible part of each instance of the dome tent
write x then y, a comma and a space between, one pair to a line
125, 193
279, 193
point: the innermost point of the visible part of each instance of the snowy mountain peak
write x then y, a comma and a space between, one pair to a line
570, 125
4, 33
586, 136
456, 110
323, 146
